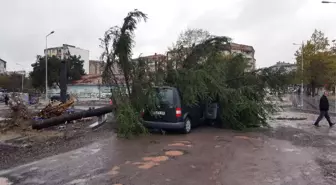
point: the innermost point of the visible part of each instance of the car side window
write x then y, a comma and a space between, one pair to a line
177, 97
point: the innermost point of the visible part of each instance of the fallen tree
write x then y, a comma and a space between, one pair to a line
200, 65
45, 123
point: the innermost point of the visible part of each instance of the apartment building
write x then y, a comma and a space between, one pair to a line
247, 51
154, 62
96, 67
3, 65
70, 50
288, 67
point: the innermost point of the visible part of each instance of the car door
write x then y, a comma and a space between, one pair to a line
165, 110
195, 112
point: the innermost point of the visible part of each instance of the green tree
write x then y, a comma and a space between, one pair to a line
319, 61
74, 70
13, 82
210, 73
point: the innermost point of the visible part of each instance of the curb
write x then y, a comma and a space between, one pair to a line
311, 111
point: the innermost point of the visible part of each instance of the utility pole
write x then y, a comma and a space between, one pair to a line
22, 76
63, 75
325, 2
302, 45
302, 75
334, 41
46, 66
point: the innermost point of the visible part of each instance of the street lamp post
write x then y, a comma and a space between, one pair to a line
46, 66
302, 45
22, 77
334, 41
325, 2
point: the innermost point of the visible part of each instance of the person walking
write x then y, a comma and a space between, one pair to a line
6, 99
324, 108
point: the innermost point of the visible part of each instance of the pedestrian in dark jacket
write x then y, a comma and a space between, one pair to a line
324, 108
6, 99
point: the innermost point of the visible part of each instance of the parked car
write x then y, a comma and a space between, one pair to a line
171, 113
58, 97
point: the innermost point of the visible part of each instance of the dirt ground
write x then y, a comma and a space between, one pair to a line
22, 145
292, 152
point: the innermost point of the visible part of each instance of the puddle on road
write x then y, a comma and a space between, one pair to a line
147, 165
156, 159
150, 162
246, 137
222, 139
115, 170
184, 142
181, 144
291, 150
174, 153
78, 181
127, 162
5, 181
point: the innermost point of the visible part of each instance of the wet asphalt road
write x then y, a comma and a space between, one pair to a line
292, 152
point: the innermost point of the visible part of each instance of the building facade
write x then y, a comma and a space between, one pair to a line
96, 67
247, 51
66, 50
288, 67
155, 62
3, 66
21, 72
89, 80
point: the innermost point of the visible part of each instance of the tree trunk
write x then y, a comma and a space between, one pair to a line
70, 117
63, 82
313, 88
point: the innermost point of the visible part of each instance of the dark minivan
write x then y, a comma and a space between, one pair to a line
171, 113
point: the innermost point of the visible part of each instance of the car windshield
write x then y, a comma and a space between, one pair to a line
166, 96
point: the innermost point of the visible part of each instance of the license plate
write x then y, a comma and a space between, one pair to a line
159, 113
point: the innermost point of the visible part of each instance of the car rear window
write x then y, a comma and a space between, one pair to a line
166, 96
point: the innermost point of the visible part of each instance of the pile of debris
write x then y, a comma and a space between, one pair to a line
19, 109
20, 116
55, 108
53, 114
17, 116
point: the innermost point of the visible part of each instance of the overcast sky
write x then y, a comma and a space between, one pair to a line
270, 26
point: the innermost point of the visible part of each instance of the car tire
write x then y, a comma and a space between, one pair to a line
210, 122
187, 126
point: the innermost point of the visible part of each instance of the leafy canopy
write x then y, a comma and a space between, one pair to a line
209, 74
319, 66
75, 70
